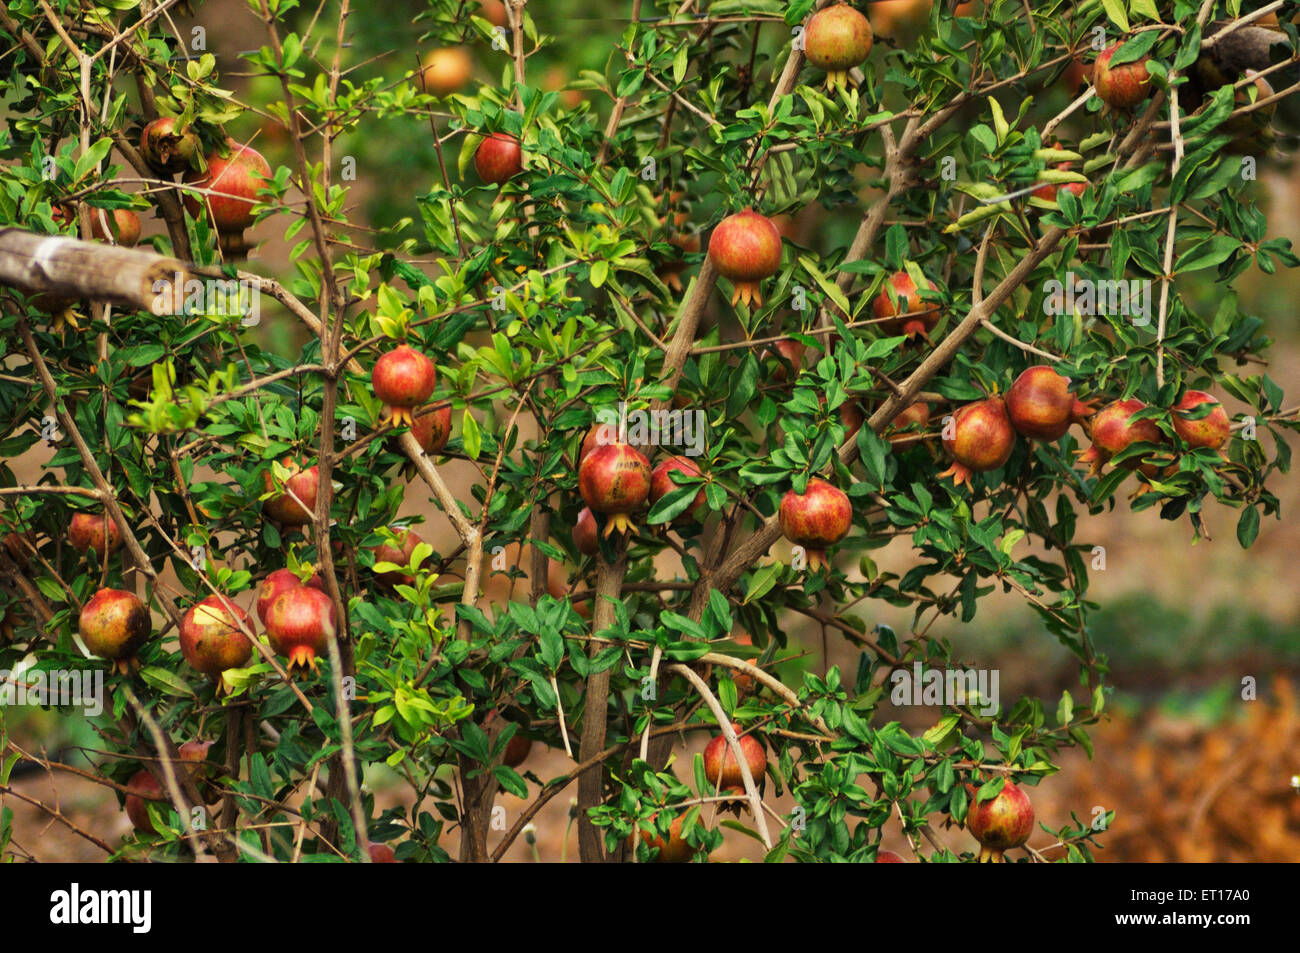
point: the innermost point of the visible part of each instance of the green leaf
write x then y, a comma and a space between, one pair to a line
167, 682
510, 781
1248, 527
469, 435
1116, 13
1207, 254
762, 580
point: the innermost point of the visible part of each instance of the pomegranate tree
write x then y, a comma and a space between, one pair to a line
1209, 430
498, 158
979, 438
212, 637
97, 531
168, 148
837, 39
294, 505
746, 248
720, 764
614, 481
298, 625
280, 581
113, 625
819, 517
1041, 406
403, 378
1000, 823
1122, 86
1114, 430
661, 483
907, 313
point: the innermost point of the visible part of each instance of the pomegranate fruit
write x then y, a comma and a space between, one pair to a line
819, 518
1114, 430
675, 850
166, 148
909, 315
278, 582
298, 624
140, 790
113, 625
446, 70
194, 756
888, 857
296, 504
386, 552
788, 351
87, 531
982, 439
746, 248
916, 415
661, 483
211, 638
122, 223
852, 414
1123, 86
403, 378
744, 681
586, 539
432, 430
1209, 432
1048, 192
494, 11
615, 480
721, 766
382, 854
1041, 406
517, 749
232, 182
892, 18
498, 158
999, 824
837, 39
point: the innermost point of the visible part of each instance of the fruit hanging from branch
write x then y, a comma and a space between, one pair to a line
720, 764
403, 378
498, 158
819, 517
399, 555
432, 430
212, 637
746, 248
167, 147
231, 182
294, 505
446, 70
888, 857
837, 39
979, 438
97, 531
786, 351
140, 790
1122, 86
1208, 432
908, 314
280, 581
675, 850
1041, 406
114, 625
1114, 430
614, 480
661, 484
299, 624
915, 416
1001, 823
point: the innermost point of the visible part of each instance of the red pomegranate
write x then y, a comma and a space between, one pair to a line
194, 756
113, 625
382, 854
585, 533
615, 480
819, 518
915, 415
432, 430
211, 638
166, 148
1209, 432
86, 531
141, 789
122, 223
408, 539
910, 315
888, 857
721, 767
498, 158
746, 248
1049, 190
278, 582
788, 351
403, 378
233, 182
675, 851
1123, 86
446, 70
298, 624
1114, 430
295, 506
982, 438
1041, 406
852, 414
837, 39
517, 749
661, 483
999, 824
744, 681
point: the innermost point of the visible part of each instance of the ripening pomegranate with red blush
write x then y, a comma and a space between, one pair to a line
746, 248
819, 517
